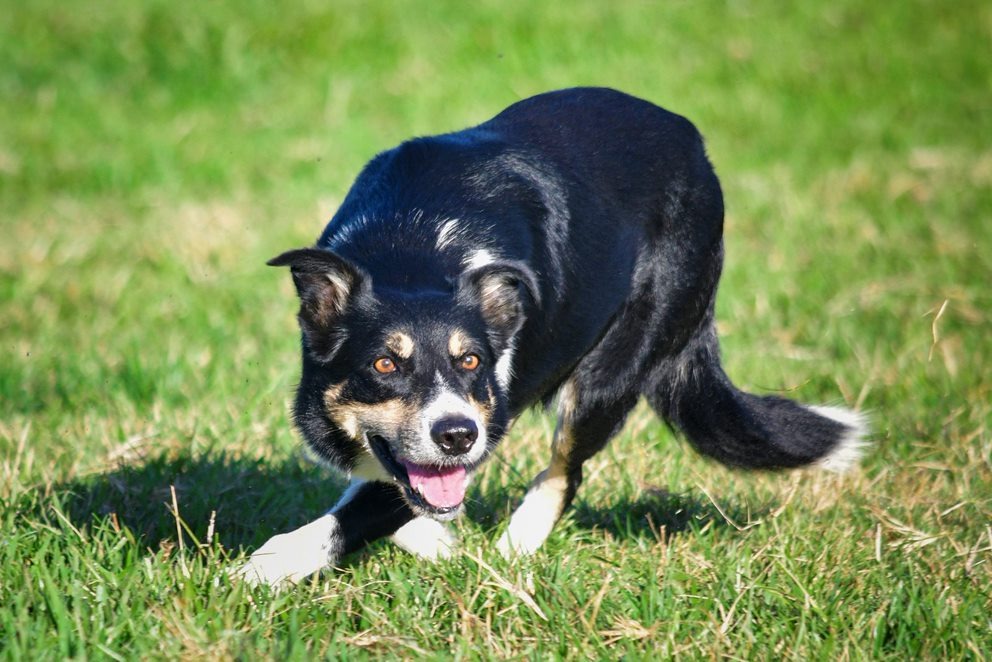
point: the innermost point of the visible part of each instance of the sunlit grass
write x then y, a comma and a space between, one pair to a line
154, 155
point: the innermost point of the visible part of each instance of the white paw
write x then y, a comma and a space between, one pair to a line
293, 556
532, 521
426, 538
521, 543
505, 547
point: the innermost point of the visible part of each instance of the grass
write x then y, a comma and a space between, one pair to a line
153, 155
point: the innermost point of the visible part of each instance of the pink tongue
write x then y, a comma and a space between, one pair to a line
442, 487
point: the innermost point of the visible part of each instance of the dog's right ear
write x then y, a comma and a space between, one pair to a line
326, 283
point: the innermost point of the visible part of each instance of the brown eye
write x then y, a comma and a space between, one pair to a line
470, 362
384, 365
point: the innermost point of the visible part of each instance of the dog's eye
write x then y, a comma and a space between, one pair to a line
384, 365
469, 362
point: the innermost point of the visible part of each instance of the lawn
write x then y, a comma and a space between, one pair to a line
154, 154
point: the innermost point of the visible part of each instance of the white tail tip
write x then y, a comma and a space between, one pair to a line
852, 445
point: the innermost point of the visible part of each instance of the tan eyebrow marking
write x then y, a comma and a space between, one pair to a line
457, 344
400, 344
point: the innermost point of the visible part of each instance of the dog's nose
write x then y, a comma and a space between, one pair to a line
454, 436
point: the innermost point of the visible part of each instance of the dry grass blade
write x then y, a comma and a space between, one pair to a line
911, 538
933, 328
368, 639
627, 628
179, 531
509, 587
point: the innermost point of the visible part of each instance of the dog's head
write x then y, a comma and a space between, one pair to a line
406, 386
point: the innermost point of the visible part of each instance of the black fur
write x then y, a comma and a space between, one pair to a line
377, 510
602, 220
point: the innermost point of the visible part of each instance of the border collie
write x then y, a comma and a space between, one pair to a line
566, 251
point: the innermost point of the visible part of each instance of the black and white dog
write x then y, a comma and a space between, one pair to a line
566, 250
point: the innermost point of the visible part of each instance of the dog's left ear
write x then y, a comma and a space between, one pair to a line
502, 290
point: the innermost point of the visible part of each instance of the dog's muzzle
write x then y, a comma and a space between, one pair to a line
437, 491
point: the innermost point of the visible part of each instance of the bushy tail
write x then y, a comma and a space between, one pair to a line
692, 393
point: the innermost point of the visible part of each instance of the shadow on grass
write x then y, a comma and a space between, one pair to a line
249, 500
658, 514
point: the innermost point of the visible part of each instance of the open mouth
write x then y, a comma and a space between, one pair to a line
437, 490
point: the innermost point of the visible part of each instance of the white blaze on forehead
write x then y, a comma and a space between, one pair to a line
478, 259
447, 233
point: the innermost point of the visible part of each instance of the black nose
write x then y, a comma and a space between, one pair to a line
454, 435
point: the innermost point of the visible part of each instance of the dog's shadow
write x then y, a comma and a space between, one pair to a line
659, 514
240, 502
235, 501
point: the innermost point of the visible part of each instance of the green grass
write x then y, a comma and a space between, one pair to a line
154, 154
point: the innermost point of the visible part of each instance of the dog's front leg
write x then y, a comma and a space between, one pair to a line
290, 557
366, 511
583, 429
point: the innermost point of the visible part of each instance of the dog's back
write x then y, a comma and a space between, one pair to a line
587, 185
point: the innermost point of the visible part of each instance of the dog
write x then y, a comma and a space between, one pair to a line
566, 251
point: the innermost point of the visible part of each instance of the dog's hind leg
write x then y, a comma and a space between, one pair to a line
583, 429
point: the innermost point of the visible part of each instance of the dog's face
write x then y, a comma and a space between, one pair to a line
405, 386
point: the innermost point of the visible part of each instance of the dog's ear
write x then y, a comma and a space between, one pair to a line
326, 283
502, 291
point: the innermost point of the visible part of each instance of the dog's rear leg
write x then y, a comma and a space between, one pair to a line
583, 430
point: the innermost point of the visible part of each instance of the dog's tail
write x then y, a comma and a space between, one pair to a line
693, 394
